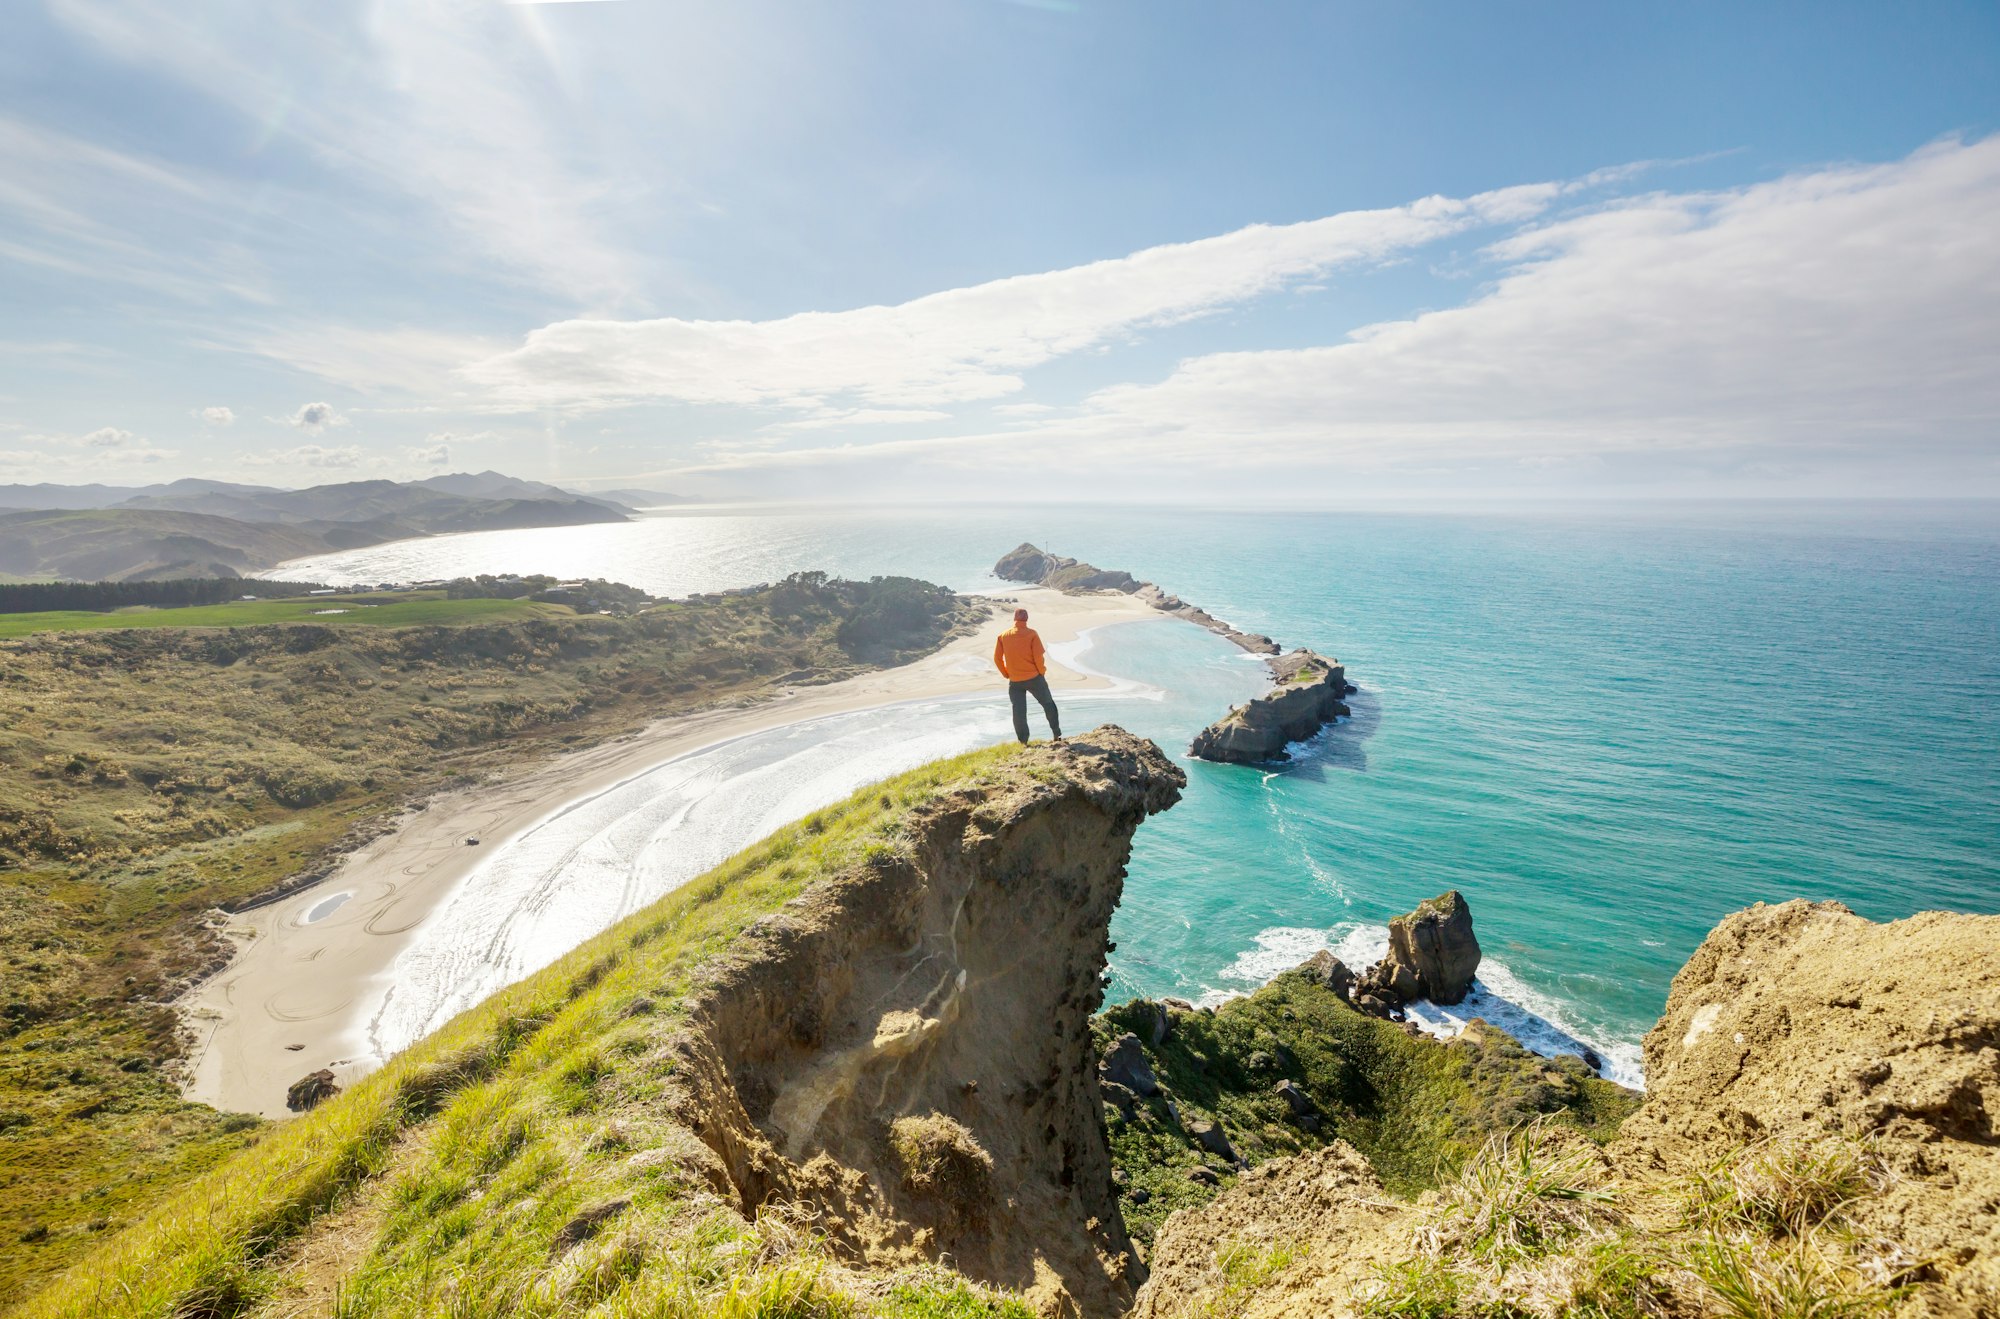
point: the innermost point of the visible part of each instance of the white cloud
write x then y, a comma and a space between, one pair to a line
109, 437
315, 417
404, 360
1845, 307
866, 417
1837, 325
215, 416
964, 344
437, 454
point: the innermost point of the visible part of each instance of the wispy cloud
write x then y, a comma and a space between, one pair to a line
1844, 318
966, 344
84, 211
440, 100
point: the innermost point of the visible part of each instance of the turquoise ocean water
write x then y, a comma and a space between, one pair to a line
1607, 727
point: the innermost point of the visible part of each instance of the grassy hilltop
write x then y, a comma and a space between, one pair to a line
150, 775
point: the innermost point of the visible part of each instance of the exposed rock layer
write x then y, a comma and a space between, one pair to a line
1804, 1017
1433, 954
952, 983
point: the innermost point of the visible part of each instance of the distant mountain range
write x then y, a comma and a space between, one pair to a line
201, 528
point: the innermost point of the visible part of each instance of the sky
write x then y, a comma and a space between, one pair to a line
1148, 250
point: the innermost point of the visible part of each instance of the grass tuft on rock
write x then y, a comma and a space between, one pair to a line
1534, 1226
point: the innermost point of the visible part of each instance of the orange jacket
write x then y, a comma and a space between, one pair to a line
1017, 653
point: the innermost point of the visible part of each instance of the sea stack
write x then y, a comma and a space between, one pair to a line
1306, 699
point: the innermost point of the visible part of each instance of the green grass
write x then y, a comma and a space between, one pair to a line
467, 1155
148, 776
1534, 1225
374, 609
1416, 1107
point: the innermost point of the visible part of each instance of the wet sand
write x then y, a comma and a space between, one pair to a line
316, 983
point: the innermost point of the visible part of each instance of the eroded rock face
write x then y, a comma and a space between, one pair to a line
951, 983
1800, 1018
1306, 699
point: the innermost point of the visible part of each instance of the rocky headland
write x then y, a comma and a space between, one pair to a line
1308, 690
1032, 567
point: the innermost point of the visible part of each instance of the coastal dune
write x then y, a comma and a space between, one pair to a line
301, 994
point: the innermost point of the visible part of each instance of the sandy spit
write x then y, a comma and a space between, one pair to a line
298, 996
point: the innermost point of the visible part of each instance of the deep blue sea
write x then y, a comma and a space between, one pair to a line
1608, 726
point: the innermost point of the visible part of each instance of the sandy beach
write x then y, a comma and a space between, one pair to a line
299, 993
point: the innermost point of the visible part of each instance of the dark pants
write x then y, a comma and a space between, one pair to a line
1038, 687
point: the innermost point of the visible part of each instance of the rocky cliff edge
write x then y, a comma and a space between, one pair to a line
906, 1049
1819, 1137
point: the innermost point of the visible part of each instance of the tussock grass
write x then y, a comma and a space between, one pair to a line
1532, 1228
939, 1156
1784, 1186
1525, 1192
517, 1161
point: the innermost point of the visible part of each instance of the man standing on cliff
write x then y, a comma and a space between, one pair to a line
1018, 655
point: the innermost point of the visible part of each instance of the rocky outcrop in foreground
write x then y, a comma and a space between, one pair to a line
1306, 699
906, 1051
1821, 1135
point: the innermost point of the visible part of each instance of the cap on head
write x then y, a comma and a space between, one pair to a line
1020, 615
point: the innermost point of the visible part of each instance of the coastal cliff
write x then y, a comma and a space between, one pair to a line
889, 1052
858, 1070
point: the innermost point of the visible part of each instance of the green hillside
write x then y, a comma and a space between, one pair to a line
151, 775
447, 1182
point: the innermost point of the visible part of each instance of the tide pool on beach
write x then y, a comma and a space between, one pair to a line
1608, 728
